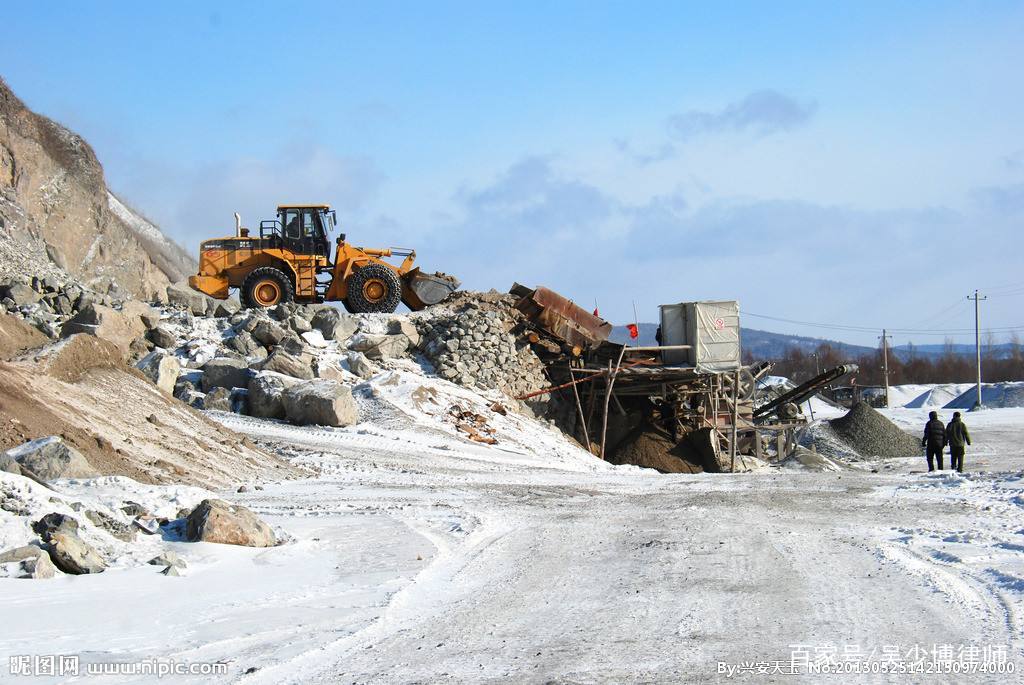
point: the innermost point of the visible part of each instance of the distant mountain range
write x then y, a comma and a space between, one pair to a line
768, 345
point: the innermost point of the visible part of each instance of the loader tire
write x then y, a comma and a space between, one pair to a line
265, 287
373, 288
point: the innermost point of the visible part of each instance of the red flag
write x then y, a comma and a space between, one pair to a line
634, 333
595, 312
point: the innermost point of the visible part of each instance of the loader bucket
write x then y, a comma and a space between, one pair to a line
421, 290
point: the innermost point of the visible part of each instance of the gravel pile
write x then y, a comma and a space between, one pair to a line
471, 343
870, 434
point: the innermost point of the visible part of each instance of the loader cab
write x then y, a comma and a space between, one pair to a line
303, 229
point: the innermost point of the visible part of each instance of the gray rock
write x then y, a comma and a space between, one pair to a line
299, 325
247, 321
9, 464
51, 458
226, 308
333, 324
268, 332
34, 561
162, 337
134, 509
243, 343
118, 327
119, 529
218, 399
150, 319
162, 369
38, 567
281, 312
62, 305
73, 555
327, 369
266, 393
320, 402
360, 365
21, 294
406, 328
138, 349
292, 344
379, 347
56, 255
284, 363
314, 338
21, 553
182, 295
240, 400
365, 341
217, 521
168, 558
222, 372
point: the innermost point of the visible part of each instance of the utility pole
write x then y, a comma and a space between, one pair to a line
885, 364
977, 340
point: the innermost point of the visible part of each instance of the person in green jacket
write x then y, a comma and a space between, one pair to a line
957, 436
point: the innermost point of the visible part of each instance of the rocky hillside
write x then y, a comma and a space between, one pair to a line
59, 219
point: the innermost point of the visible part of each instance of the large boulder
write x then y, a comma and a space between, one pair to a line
266, 395
33, 562
73, 555
51, 458
226, 308
217, 521
106, 323
360, 365
268, 332
20, 293
183, 296
314, 338
299, 324
161, 368
320, 402
333, 324
224, 372
54, 523
218, 399
162, 337
244, 344
406, 328
380, 346
282, 362
292, 344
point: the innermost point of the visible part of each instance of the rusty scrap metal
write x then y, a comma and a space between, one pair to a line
560, 317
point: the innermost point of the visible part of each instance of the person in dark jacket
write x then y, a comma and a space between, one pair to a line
934, 440
957, 436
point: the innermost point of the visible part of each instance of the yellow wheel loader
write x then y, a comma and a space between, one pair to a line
290, 261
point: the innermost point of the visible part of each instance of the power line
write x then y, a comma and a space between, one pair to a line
869, 329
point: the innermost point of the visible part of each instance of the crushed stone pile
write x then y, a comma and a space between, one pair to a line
870, 434
471, 342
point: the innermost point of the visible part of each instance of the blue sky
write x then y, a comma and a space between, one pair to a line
859, 164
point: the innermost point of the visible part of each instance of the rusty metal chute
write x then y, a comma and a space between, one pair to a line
560, 317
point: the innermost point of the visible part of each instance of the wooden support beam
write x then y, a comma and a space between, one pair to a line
607, 399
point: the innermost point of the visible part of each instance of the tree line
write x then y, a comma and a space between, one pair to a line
949, 367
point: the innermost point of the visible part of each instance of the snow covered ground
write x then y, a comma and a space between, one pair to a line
417, 555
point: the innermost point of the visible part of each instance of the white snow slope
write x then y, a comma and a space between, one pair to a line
419, 556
